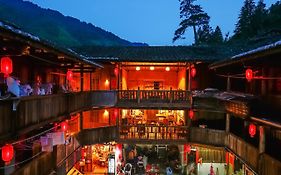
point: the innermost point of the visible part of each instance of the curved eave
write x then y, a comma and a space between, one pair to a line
36, 42
260, 52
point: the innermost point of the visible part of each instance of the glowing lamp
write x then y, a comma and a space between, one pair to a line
252, 130
151, 68
64, 126
167, 69
191, 114
249, 74
137, 68
6, 66
193, 72
106, 82
187, 149
7, 153
69, 75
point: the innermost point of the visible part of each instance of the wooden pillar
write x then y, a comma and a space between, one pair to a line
227, 123
81, 78
189, 77
261, 140
81, 121
263, 83
138, 95
91, 81
228, 85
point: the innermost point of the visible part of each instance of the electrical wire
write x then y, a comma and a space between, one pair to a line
4, 167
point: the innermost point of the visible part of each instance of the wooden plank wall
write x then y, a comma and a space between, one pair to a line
207, 136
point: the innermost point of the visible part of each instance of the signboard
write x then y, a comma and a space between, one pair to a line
111, 165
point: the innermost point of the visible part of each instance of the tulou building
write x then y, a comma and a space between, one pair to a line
137, 110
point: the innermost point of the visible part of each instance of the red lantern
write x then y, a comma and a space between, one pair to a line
7, 153
64, 126
252, 130
69, 75
191, 114
193, 72
115, 113
116, 71
6, 66
187, 149
249, 74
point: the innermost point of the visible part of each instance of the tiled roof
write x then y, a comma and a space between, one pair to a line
155, 53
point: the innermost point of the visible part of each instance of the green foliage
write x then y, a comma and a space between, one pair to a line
54, 27
192, 15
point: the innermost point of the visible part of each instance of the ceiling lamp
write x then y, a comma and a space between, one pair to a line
151, 68
137, 68
167, 69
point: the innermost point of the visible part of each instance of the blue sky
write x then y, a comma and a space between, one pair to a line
149, 21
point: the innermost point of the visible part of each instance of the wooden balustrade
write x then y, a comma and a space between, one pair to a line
154, 96
244, 150
97, 135
27, 113
207, 136
153, 132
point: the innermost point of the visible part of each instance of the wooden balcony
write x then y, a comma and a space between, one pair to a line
173, 99
207, 136
152, 133
248, 153
19, 115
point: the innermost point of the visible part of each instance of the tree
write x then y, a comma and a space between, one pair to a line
192, 16
204, 34
258, 18
243, 26
217, 37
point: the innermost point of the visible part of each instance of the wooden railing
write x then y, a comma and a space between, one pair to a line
207, 136
153, 132
26, 113
162, 96
244, 150
98, 135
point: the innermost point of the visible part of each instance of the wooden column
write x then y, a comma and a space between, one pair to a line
227, 123
91, 82
263, 83
81, 78
81, 121
228, 85
189, 77
261, 140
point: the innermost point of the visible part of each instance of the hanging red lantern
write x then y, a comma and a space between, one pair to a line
64, 126
252, 130
115, 113
193, 72
116, 71
249, 74
191, 114
187, 149
7, 153
6, 66
69, 75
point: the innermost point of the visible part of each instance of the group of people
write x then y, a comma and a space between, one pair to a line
17, 89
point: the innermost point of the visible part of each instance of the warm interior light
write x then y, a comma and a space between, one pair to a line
167, 69
151, 68
106, 113
137, 68
106, 82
